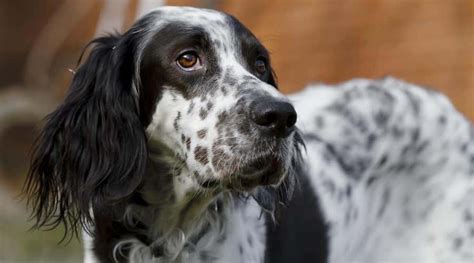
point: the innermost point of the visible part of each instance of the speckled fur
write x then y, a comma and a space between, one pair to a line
392, 164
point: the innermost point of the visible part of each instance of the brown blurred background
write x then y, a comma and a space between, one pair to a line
429, 42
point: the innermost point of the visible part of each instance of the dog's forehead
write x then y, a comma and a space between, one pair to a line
190, 14
214, 22
220, 27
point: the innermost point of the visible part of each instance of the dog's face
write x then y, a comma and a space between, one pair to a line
208, 95
186, 90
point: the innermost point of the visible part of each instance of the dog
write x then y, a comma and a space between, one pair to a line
174, 144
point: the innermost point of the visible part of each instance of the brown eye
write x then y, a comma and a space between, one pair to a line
260, 66
189, 61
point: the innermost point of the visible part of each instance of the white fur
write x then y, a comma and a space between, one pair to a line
89, 256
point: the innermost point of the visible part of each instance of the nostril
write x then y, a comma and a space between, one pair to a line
267, 118
291, 120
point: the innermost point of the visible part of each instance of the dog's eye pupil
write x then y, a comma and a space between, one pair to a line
260, 66
188, 60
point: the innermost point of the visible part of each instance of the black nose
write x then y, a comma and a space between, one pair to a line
275, 117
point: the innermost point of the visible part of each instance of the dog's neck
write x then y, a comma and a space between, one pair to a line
182, 221
174, 201
184, 228
173, 210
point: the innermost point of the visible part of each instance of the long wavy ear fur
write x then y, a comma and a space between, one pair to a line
92, 150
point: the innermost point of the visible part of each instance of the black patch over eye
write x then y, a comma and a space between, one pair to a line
189, 61
261, 66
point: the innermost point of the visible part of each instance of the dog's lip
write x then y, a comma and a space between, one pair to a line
262, 171
258, 166
269, 174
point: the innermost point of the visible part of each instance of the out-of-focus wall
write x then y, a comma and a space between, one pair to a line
430, 42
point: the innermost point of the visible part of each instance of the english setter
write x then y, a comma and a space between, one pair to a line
174, 145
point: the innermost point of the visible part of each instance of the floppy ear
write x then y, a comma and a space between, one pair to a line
92, 151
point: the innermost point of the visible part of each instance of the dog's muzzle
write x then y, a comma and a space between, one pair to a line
274, 121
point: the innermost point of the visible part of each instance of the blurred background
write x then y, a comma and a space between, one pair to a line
428, 42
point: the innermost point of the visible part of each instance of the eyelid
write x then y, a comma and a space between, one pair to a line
181, 52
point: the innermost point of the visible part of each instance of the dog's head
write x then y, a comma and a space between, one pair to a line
189, 87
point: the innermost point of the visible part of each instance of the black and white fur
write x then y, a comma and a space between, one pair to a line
161, 164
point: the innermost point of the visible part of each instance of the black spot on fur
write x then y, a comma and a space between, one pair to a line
188, 144
203, 113
218, 157
464, 148
457, 243
381, 118
217, 44
224, 90
202, 133
191, 107
221, 118
209, 105
468, 217
384, 202
382, 161
320, 122
249, 239
415, 135
370, 141
442, 120
397, 132
176, 120
422, 146
371, 180
348, 191
200, 154
229, 80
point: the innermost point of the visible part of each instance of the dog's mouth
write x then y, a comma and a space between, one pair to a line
265, 170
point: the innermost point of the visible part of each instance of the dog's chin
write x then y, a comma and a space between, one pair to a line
263, 171
266, 167
249, 184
